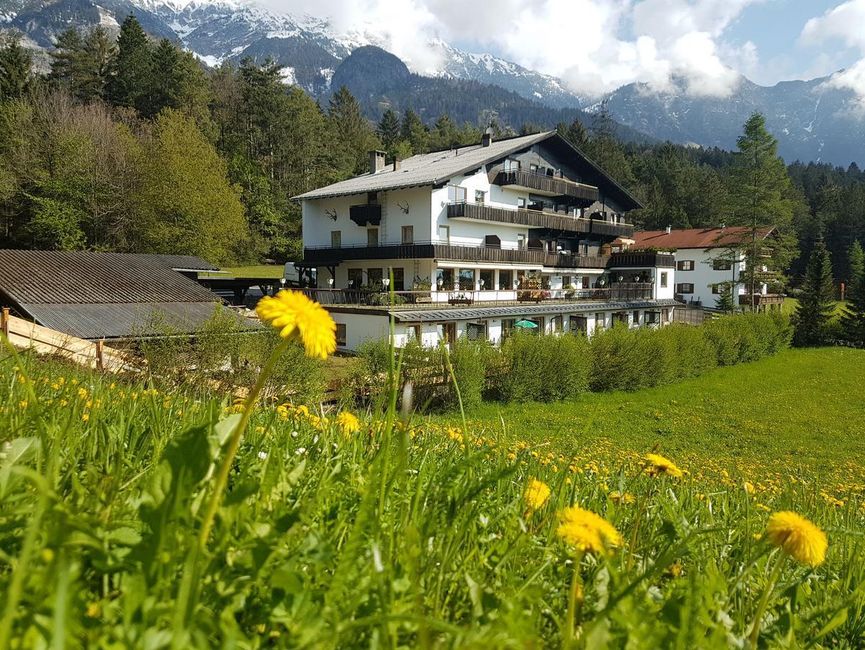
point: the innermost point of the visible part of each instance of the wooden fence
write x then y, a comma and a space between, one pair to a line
25, 335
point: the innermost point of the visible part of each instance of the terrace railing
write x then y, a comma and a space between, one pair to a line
550, 184
453, 296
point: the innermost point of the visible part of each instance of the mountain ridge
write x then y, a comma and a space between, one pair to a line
811, 119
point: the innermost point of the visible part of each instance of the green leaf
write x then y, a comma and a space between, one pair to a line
223, 428
835, 622
16, 452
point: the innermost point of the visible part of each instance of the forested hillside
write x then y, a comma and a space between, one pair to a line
134, 145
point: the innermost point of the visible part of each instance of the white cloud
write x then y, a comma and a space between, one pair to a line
843, 23
594, 45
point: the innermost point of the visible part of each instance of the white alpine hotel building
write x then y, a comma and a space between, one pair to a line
477, 239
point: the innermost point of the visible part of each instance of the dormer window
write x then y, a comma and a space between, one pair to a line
479, 196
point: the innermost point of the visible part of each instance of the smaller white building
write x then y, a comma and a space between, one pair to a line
708, 261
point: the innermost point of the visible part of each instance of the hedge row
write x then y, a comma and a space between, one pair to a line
529, 367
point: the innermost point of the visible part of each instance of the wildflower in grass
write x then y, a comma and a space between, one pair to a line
536, 494
625, 498
749, 487
587, 532
797, 537
347, 423
298, 317
657, 465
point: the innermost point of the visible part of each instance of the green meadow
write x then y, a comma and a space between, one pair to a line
420, 533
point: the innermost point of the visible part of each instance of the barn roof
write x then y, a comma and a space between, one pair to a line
105, 295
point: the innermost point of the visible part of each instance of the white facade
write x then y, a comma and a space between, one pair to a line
701, 274
486, 263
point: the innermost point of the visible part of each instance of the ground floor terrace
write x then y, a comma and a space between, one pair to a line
432, 324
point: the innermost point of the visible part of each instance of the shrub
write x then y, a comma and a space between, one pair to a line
469, 362
545, 368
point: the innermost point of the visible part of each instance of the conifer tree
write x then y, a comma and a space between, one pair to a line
16, 70
353, 136
760, 193
389, 131
82, 63
413, 131
177, 81
853, 318
130, 81
817, 302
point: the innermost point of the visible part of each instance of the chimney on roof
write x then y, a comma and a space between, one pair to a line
487, 138
669, 229
396, 163
376, 161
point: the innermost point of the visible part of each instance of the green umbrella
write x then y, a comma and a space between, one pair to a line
526, 324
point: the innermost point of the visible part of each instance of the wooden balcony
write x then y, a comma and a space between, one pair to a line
550, 185
454, 297
610, 229
642, 260
519, 216
327, 256
366, 214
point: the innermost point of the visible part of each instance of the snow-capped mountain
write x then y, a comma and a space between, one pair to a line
812, 120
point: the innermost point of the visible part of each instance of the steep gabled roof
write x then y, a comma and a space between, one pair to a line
440, 166
702, 238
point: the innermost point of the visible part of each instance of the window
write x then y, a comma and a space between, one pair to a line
456, 194
587, 282
374, 277
636, 317
556, 324
372, 237
407, 234
445, 279
521, 202
506, 280
651, 317
600, 322
508, 327
479, 196
533, 168
476, 331
566, 282
665, 315
685, 287
340, 333
663, 279
415, 332
445, 234
579, 324
721, 265
398, 279
335, 238
521, 242
487, 283
355, 278
716, 289
511, 165
685, 265
467, 279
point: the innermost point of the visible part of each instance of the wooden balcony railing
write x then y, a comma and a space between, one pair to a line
450, 297
519, 216
548, 184
326, 256
642, 260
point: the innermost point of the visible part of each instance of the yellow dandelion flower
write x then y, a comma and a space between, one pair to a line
347, 423
797, 537
749, 487
536, 494
657, 465
622, 497
298, 317
587, 532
